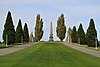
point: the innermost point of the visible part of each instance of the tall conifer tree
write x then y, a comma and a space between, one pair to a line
91, 34
19, 32
61, 28
74, 35
26, 33
81, 35
9, 31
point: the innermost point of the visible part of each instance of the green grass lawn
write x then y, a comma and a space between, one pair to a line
49, 55
2, 46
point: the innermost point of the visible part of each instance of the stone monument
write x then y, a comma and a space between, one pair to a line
31, 37
51, 34
69, 39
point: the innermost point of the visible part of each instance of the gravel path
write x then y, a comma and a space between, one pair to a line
83, 49
14, 49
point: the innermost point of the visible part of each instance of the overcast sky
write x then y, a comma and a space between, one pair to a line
75, 12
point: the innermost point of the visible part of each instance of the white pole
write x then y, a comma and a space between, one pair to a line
96, 43
6, 40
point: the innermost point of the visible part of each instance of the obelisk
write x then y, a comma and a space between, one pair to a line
51, 34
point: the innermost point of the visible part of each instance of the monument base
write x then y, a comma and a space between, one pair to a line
51, 39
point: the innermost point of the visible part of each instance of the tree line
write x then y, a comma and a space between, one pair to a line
20, 35
12, 36
89, 38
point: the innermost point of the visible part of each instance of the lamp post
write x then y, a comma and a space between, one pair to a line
95, 43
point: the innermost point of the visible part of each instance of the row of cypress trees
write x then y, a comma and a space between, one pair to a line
79, 36
21, 35
10, 36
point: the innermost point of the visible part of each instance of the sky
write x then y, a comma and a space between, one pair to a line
75, 12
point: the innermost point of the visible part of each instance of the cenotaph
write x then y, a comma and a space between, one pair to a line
51, 34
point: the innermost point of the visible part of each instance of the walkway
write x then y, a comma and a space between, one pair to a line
13, 49
83, 49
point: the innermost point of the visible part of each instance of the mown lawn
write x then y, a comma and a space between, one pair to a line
49, 55
2, 46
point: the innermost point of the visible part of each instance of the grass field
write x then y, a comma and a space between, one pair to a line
2, 46
49, 55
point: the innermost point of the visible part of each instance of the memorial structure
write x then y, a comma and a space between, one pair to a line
51, 34
31, 37
69, 39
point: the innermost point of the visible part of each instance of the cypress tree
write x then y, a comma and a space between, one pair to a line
19, 33
91, 34
9, 31
38, 28
61, 28
26, 33
74, 35
81, 35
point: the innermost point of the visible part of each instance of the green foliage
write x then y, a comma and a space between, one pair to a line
61, 28
74, 35
41, 31
26, 33
98, 44
91, 34
38, 28
81, 35
19, 32
9, 31
49, 55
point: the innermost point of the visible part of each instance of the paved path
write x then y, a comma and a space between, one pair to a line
8, 50
83, 49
